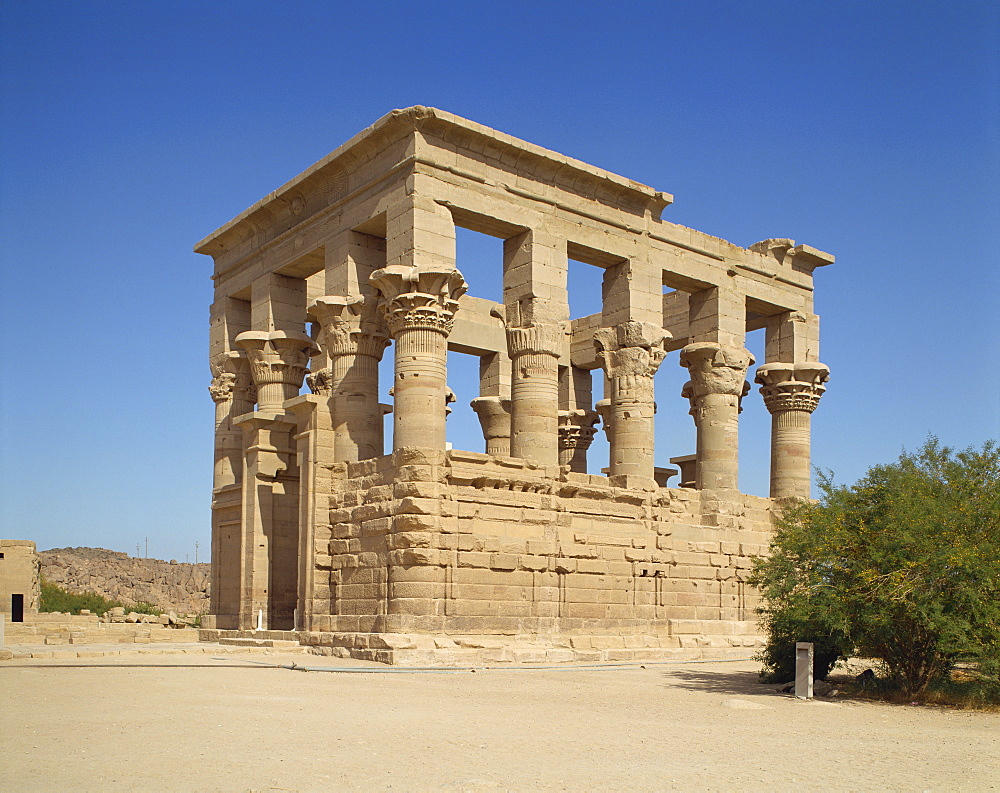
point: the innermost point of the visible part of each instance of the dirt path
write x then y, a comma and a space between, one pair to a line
195, 723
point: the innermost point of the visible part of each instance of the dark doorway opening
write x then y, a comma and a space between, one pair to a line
17, 608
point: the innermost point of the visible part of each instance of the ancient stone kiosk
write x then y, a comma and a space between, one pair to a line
412, 552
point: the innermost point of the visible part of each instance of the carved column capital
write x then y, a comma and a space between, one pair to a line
494, 416
631, 349
231, 379
715, 369
320, 382
222, 386
277, 356
576, 433
349, 326
535, 339
278, 363
603, 410
792, 386
423, 297
689, 392
577, 428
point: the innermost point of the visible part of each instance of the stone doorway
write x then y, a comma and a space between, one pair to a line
17, 608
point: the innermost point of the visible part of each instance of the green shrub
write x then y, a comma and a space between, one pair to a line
903, 567
783, 630
142, 607
56, 598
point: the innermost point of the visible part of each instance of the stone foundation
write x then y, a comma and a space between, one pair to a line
732, 640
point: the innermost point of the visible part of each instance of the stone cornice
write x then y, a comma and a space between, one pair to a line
426, 139
326, 178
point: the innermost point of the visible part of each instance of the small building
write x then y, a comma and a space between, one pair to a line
20, 588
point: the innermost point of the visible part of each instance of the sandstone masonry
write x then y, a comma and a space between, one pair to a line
419, 552
19, 580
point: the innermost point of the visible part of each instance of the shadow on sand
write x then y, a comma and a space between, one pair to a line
718, 681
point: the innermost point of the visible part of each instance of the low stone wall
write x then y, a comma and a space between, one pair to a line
477, 545
729, 641
58, 629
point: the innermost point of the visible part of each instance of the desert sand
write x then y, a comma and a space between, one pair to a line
235, 723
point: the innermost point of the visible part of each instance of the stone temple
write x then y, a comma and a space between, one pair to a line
404, 550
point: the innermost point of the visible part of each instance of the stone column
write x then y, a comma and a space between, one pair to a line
494, 416
278, 362
419, 305
630, 353
715, 389
534, 391
577, 428
314, 446
233, 392
791, 393
353, 338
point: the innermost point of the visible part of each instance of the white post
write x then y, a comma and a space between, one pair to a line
260, 620
295, 619
804, 670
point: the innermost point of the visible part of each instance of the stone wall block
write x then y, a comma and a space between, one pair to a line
415, 556
503, 561
578, 551
564, 565
473, 559
413, 540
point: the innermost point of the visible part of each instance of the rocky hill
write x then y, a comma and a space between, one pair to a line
171, 586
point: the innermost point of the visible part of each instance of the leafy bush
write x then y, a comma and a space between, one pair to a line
56, 598
784, 629
903, 567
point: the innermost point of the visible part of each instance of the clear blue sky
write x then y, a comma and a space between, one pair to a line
131, 130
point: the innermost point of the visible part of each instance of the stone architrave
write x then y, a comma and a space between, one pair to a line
534, 391
630, 353
353, 337
233, 392
576, 432
716, 387
419, 305
791, 393
278, 362
494, 416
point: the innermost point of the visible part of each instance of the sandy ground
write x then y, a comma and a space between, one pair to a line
176, 722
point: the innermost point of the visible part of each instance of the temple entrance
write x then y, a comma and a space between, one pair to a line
17, 608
